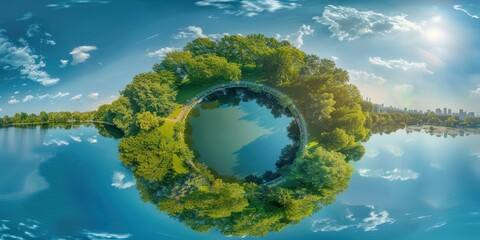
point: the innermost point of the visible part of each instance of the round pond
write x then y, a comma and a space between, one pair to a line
239, 132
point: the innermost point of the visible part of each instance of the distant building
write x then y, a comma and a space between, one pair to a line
438, 111
462, 114
449, 111
444, 111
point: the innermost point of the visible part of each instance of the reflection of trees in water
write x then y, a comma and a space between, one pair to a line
231, 97
203, 202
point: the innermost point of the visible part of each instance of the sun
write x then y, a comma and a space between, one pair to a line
435, 35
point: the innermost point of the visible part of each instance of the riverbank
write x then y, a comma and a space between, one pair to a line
442, 131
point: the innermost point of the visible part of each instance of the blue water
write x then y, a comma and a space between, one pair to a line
408, 186
239, 139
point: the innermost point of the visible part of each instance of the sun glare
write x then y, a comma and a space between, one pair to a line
435, 35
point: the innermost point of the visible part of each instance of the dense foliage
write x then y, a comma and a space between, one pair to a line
42, 118
167, 174
165, 168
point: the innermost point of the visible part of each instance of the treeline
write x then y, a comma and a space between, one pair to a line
165, 168
45, 118
142, 103
332, 106
390, 122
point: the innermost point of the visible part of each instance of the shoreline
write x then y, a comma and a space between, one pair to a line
443, 131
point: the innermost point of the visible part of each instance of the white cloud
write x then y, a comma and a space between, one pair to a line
92, 140
118, 181
349, 24
334, 58
475, 92
390, 175
63, 63
400, 63
197, 32
395, 151
1, 109
25, 16
104, 235
50, 42
369, 223
56, 142
93, 95
58, 95
160, 53
327, 225
71, 3
372, 153
461, 8
248, 8
27, 98
33, 30
436, 225
21, 57
376, 219
13, 101
365, 77
304, 30
76, 97
75, 138
80, 54
16, 92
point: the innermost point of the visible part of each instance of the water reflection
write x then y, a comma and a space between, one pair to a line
240, 132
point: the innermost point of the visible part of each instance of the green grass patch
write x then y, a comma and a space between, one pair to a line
188, 91
166, 129
175, 113
178, 165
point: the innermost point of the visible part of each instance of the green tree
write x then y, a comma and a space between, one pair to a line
151, 92
147, 121
201, 46
176, 62
211, 68
322, 172
283, 65
452, 121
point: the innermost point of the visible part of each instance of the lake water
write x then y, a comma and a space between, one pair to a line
238, 135
59, 183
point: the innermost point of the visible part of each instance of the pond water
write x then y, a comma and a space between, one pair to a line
238, 132
69, 183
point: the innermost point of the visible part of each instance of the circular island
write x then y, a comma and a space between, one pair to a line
152, 113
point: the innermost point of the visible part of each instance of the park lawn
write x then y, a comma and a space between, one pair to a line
175, 113
188, 91
178, 165
166, 129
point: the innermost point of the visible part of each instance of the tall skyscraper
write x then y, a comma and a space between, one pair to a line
444, 111
449, 112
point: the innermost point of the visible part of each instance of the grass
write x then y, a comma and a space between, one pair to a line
178, 165
175, 113
188, 91
167, 129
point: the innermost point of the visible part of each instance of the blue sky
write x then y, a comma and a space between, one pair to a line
78, 54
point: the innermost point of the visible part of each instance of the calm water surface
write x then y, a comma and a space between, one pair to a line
238, 137
57, 183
